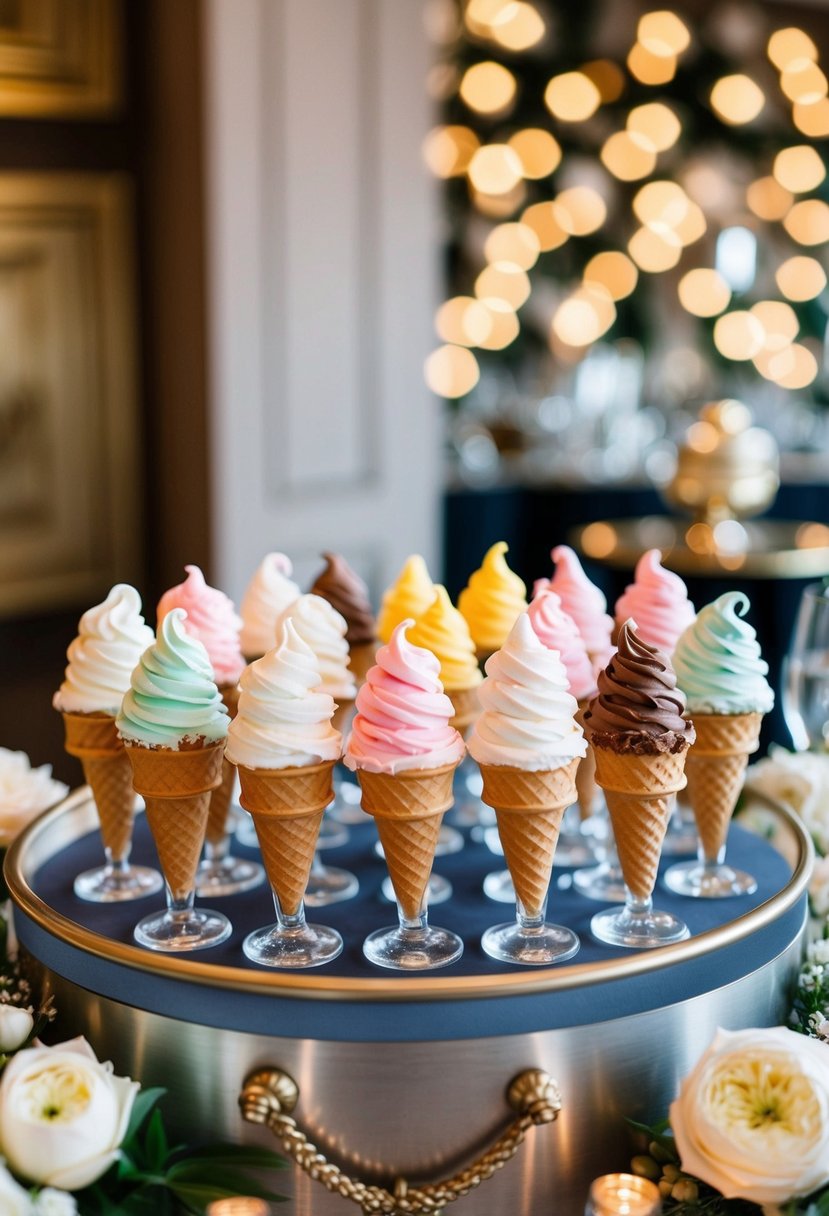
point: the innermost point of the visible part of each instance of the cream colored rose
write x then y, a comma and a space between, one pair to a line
752, 1118
63, 1115
24, 793
14, 1201
15, 1026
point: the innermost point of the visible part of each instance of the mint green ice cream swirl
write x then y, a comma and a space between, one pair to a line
173, 697
718, 662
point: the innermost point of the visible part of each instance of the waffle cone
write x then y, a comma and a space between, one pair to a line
715, 769
222, 795
639, 793
107, 771
529, 807
176, 788
360, 658
466, 706
586, 787
408, 808
287, 805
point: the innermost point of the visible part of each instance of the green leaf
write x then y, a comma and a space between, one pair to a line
238, 1154
156, 1146
144, 1103
223, 1177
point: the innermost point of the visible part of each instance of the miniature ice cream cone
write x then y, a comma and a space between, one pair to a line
111, 639
529, 807
583, 602
222, 796
587, 788
324, 630
270, 591
287, 806
176, 786
407, 598
640, 740
405, 753
715, 769
408, 809
720, 669
639, 793
94, 740
658, 601
285, 749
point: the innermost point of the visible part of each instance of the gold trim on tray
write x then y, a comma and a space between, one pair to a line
76, 816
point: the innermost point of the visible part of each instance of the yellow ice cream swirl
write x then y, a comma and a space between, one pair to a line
444, 631
493, 600
409, 596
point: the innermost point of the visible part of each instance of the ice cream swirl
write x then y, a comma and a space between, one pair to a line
402, 719
284, 718
528, 719
638, 707
444, 631
346, 591
173, 697
409, 596
718, 663
493, 599
269, 593
323, 629
112, 636
658, 601
583, 602
212, 619
557, 631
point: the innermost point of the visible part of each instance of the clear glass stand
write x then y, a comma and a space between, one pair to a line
292, 942
438, 890
412, 945
681, 834
329, 884
708, 879
604, 882
117, 881
530, 940
574, 848
182, 927
498, 883
220, 873
637, 925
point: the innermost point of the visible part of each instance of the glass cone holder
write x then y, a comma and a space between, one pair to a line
117, 881
708, 878
498, 883
220, 873
329, 884
681, 836
575, 847
637, 925
412, 945
530, 941
182, 927
292, 943
604, 882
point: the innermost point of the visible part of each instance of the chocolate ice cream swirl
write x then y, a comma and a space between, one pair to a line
638, 707
346, 591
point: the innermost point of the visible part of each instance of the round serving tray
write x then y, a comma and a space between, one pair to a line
91, 945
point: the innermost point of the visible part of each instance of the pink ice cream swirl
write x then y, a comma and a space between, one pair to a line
402, 719
583, 602
657, 599
558, 631
212, 619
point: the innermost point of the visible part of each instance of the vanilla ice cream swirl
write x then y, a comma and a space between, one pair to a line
112, 636
323, 629
528, 719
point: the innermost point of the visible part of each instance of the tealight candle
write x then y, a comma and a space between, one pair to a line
239, 1206
623, 1195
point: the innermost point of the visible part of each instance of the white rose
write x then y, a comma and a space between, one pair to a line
819, 888
15, 1026
752, 1118
24, 793
14, 1201
55, 1203
63, 1115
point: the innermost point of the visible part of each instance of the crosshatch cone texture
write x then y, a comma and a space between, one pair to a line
222, 795
639, 793
287, 805
467, 707
408, 808
108, 772
715, 769
529, 807
176, 787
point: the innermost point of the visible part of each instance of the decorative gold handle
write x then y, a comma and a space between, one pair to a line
269, 1095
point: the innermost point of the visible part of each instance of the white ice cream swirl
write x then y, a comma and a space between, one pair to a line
323, 629
112, 636
283, 719
528, 718
269, 593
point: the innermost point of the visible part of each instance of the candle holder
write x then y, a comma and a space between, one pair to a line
623, 1195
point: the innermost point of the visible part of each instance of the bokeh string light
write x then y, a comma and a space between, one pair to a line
597, 176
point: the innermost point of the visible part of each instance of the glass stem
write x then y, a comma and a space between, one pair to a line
216, 851
180, 909
710, 864
289, 920
120, 867
416, 925
637, 906
530, 924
